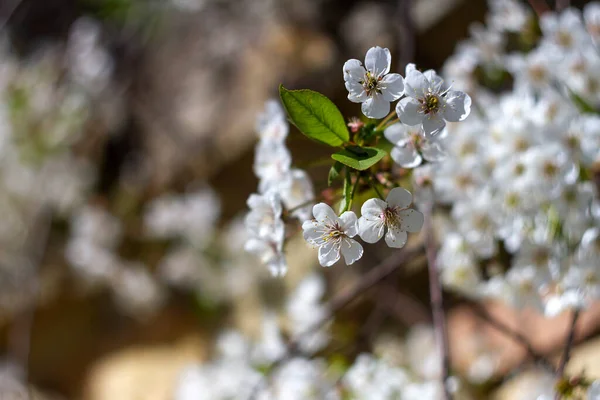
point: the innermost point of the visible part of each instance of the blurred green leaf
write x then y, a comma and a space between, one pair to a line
581, 104
315, 116
359, 159
334, 172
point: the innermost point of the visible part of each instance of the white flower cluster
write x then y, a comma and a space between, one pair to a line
238, 369
280, 186
427, 103
333, 235
519, 173
91, 251
237, 372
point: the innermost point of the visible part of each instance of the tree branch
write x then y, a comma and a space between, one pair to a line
562, 4
539, 6
437, 303
368, 280
537, 357
567, 350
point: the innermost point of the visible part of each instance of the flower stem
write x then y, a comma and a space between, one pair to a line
385, 120
567, 350
437, 303
373, 183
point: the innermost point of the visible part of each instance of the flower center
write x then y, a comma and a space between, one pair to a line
550, 169
371, 84
390, 216
431, 103
334, 232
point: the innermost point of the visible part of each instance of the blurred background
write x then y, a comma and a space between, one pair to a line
127, 130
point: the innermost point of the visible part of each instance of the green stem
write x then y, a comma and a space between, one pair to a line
373, 183
385, 120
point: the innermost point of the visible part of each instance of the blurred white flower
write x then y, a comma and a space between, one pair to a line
411, 146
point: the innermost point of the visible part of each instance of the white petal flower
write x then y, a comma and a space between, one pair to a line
374, 87
428, 104
393, 214
332, 234
411, 145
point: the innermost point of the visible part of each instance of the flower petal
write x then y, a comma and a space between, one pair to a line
349, 223
371, 231
406, 156
396, 133
411, 220
416, 84
354, 71
392, 87
372, 209
433, 151
399, 197
329, 253
408, 111
409, 67
378, 61
356, 92
313, 232
395, 237
435, 81
458, 106
376, 107
351, 250
324, 214
433, 125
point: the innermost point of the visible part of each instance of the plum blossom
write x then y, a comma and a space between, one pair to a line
429, 105
392, 213
411, 146
266, 231
333, 235
374, 86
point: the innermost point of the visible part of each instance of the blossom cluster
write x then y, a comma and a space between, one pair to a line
410, 369
519, 176
279, 186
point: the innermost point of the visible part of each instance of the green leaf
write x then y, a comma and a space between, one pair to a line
360, 160
315, 116
334, 172
581, 104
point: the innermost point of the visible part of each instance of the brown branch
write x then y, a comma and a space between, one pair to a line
539, 6
562, 4
407, 33
517, 337
567, 350
368, 280
19, 336
437, 303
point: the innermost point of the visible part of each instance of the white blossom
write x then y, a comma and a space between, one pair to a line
394, 214
427, 104
411, 145
333, 235
374, 86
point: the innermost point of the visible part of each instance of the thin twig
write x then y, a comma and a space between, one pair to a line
518, 337
562, 4
567, 349
539, 6
437, 303
407, 33
370, 279
12, 8
20, 333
